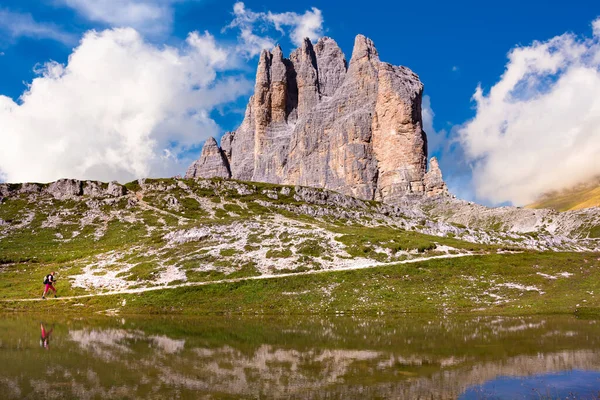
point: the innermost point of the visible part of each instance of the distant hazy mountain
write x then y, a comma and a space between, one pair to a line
576, 198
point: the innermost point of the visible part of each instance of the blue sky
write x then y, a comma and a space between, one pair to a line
567, 384
452, 46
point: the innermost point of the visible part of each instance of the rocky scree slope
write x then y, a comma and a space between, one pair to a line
161, 231
315, 120
582, 225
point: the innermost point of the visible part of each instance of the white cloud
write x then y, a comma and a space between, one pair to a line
151, 17
254, 26
120, 109
538, 127
252, 44
596, 27
435, 139
24, 25
307, 25
444, 145
455, 68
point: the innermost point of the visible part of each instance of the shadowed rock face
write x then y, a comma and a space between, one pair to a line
315, 120
212, 163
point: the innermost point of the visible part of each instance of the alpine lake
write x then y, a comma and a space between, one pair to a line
413, 356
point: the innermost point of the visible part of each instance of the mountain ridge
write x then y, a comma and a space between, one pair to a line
316, 120
189, 233
578, 197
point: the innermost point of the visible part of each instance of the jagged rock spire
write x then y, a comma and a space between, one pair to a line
363, 48
434, 182
212, 162
316, 120
331, 66
304, 61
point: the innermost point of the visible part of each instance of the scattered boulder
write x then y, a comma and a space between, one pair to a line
115, 189
93, 204
172, 202
272, 194
4, 190
30, 188
241, 188
92, 189
65, 189
132, 202
326, 197
184, 236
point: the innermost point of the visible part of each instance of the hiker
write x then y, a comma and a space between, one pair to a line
45, 338
49, 282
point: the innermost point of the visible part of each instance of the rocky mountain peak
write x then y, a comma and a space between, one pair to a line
364, 48
331, 65
64, 189
434, 182
277, 52
315, 120
212, 162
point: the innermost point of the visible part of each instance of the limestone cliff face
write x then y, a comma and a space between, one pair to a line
315, 120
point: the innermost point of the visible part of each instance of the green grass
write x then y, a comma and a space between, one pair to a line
133, 186
311, 248
145, 271
190, 204
221, 214
233, 208
25, 280
363, 242
284, 253
135, 235
242, 271
438, 286
228, 252
35, 243
11, 210
595, 232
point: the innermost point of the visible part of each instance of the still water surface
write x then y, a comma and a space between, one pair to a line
408, 357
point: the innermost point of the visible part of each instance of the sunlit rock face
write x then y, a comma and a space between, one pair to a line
434, 183
316, 120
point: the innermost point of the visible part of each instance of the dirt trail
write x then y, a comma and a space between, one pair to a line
312, 272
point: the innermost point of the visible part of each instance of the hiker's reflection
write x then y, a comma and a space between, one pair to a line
45, 338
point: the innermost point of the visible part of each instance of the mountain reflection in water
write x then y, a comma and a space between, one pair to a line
408, 357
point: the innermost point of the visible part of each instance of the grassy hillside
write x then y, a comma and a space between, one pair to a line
580, 197
165, 233
499, 284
